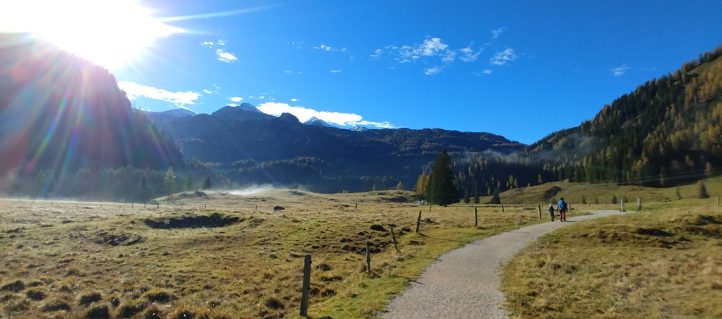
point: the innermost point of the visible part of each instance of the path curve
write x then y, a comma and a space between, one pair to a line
464, 283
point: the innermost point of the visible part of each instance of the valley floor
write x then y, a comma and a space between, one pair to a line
225, 256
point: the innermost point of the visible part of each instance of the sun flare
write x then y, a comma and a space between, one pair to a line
109, 33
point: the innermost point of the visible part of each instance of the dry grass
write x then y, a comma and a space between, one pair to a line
663, 263
602, 194
89, 260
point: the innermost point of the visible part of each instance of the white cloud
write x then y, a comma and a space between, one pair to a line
328, 48
235, 99
433, 70
504, 57
449, 57
293, 99
429, 48
225, 56
487, 71
620, 70
468, 54
377, 54
181, 98
304, 114
336, 71
496, 33
208, 44
207, 91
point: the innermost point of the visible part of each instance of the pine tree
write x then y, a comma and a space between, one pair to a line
614, 199
169, 180
466, 195
207, 183
443, 191
584, 200
702, 190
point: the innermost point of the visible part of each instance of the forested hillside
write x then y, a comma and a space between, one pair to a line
667, 131
64, 122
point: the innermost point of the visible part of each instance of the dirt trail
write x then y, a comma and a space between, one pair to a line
464, 283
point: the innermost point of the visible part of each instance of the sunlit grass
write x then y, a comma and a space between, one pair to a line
665, 262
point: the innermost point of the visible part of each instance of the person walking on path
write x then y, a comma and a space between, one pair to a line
562, 207
551, 211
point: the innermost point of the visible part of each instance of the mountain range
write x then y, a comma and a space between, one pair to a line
64, 121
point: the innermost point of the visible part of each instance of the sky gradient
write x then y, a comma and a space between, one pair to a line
521, 69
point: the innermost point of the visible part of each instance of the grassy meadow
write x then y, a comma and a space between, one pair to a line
217, 255
662, 262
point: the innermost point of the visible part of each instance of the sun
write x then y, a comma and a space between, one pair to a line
111, 33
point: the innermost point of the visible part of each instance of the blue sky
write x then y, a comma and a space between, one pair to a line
521, 69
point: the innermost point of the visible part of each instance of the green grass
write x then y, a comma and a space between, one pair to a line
665, 262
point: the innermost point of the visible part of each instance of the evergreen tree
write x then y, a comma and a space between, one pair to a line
207, 183
614, 199
702, 191
584, 200
466, 196
443, 191
169, 180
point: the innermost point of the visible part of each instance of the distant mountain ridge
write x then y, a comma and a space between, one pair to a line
233, 135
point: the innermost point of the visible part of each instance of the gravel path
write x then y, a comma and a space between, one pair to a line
464, 283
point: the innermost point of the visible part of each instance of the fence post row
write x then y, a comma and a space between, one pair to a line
306, 285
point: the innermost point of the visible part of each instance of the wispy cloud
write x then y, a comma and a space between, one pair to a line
487, 71
431, 51
304, 114
293, 99
496, 33
225, 56
180, 98
235, 99
336, 71
469, 55
433, 70
503, 57
620, 70
222, 54
328, 48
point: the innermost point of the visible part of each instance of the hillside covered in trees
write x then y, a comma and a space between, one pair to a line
64, 122
665, 132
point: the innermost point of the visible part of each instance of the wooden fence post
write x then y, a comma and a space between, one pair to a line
157, 205
502, 207
639, 204
539, 208
393, 236
368, 257
418, 222
356, 205
476, 217
621, 204
306, 285
429, 208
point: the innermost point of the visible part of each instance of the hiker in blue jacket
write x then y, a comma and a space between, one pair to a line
562, 207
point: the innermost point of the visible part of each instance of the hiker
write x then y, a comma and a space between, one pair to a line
551, 211
562, 207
